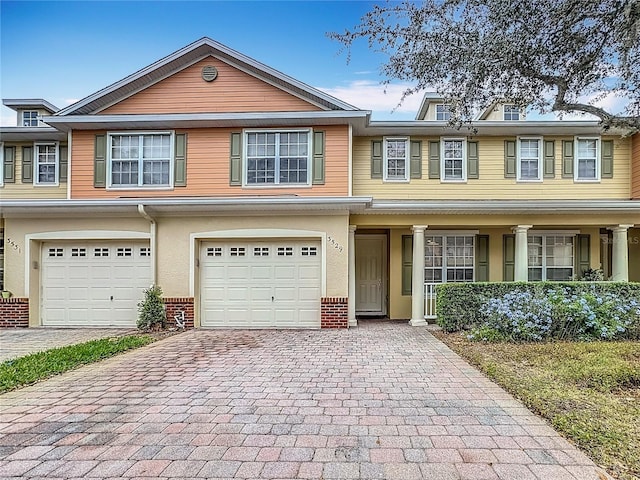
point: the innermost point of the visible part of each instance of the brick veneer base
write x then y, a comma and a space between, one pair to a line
14, 312
177, 304
334, 312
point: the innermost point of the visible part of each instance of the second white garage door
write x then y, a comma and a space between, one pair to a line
261, 284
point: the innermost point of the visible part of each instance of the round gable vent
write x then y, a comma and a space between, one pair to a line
209, 73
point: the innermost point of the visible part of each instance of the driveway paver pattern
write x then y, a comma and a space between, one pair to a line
381, 401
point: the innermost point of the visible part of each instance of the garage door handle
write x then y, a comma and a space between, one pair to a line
272, 299
111, 298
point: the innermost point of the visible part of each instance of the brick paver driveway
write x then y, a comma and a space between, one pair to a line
16, 342
383, 401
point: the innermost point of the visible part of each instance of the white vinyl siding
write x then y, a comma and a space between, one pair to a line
550, 257
396, 159
46, 163
277, 158
453, 166
529, 159
140, 159
587, 159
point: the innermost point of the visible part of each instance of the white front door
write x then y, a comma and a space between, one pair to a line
371, 274
261, 284
93, 284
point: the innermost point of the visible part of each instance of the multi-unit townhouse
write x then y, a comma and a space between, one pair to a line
255, 200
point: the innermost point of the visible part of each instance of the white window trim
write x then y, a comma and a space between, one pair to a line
446, 108
504, 112
2, 164
444, 235
407, 160
464, 160
575, 160
545, 235
276, 183
38, 116
540, 158
172, 160
36, 164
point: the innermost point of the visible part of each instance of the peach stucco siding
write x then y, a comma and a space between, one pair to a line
208, 152
232, 91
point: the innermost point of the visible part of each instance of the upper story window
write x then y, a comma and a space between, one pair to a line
140, 160
511, 112
396, 159
550, 257
529, 164
277, 158
46, 163
29, 118
587, 159
443, 112
454, 165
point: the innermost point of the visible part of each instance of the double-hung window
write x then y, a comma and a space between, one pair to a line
46, 163
529, 165
140, 159
587, 159
550, 257
29, 118
454, 164
443, 112
277, 157
396, 159
449, 258
511, 112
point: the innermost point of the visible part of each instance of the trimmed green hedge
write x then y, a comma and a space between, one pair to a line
459, 305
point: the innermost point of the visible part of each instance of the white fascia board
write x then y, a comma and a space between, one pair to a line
19, 134
23, 103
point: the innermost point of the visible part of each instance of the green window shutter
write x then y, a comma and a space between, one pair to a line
64, 164
318, 158
9, 174
549, 158
567, 159
27, 164
235, 163
376, 159
180, 158
473, 161
100, 162
509, 159
434, 159
509, 257
607, 159
482, 258
407, 262
583, 254
416, 159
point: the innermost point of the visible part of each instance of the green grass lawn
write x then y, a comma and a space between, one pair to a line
32, 368
590, 392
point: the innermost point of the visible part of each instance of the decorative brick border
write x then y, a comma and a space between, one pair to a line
175, 305
334, 312
14, 312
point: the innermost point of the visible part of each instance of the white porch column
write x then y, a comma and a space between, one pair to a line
620, 250
521, 270
351, 308
417, 277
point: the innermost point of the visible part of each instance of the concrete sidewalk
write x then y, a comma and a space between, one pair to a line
381, 401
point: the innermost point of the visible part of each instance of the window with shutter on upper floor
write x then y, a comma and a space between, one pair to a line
277, 158
453, 159
140, 159
529, 159
587, 159
46, 163
396, 159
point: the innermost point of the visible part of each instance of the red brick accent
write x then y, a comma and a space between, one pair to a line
334, 312
175, 305
14, 312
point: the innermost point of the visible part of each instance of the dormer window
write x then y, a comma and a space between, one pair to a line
511, 112
29, 118
443, 112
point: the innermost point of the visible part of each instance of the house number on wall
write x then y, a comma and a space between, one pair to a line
334, 243
14, 245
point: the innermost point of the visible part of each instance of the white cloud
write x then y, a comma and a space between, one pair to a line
69, 101
382, 100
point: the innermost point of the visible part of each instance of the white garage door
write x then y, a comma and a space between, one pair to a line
93, 284
254, 284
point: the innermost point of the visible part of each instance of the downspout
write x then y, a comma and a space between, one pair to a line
153, 242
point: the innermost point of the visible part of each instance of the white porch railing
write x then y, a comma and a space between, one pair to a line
430, 301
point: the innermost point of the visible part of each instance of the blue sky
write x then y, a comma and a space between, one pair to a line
64, 51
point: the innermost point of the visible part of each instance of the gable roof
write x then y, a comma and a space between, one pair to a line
189, 55
427, 100
25, 103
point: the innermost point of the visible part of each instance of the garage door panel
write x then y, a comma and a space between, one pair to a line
280, 277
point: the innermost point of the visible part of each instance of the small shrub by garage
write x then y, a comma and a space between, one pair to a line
533, 311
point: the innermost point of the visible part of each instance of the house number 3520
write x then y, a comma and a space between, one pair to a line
332, 241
